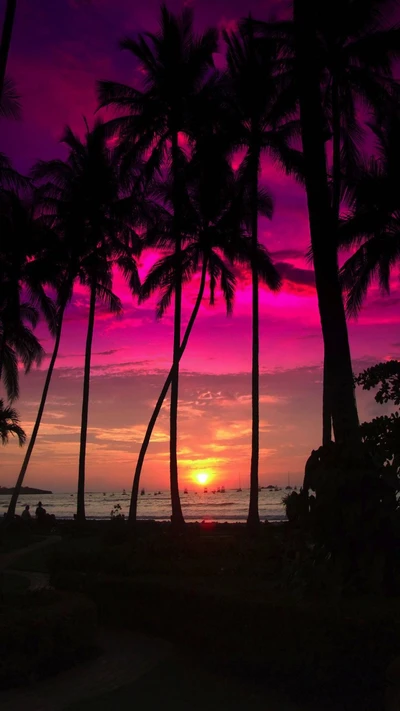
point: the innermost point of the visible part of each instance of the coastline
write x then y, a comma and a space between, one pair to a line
230, 507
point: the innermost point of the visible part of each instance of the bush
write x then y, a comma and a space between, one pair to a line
354, 516
42, 633
296, 507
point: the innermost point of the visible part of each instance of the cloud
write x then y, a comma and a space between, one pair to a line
295, 275
283, 255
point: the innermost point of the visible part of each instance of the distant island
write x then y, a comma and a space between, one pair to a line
24, 490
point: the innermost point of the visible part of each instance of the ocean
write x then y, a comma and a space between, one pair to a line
230, 507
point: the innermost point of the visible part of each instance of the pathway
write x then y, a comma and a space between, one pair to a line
136, 671
8, 559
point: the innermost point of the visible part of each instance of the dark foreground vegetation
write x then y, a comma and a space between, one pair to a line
274, 608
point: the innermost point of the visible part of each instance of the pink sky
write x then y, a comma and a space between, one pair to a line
58, 51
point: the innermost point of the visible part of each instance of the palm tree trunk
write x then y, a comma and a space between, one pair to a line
177, 519
336, 173
80, 513
6, 40
322, 229
162, 396
253, 518
326, 406
21, 476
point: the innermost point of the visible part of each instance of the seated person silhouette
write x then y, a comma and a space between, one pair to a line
26, 514
40, 512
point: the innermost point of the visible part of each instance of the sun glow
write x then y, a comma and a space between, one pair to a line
202, 478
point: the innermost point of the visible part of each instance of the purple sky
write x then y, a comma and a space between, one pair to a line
59, 49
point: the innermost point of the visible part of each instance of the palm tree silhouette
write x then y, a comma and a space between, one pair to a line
215, 223
176, 66
59, 270
337, 364
6, 40
373, 224
21, 268
10, 425
86, 203
255, 93
354, 48
357, 48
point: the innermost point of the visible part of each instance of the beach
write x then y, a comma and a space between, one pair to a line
231, 506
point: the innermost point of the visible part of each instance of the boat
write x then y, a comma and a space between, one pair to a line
142, 493
238, 490
123, 492
205, 490
222, 490
185, 491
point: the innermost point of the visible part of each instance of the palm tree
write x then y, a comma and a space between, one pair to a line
322, 224
21, 269
373, 223
357, 49
354, 48
62, 277
10, 425
6, 40
84, 200
176, 66
254, 96
215, 235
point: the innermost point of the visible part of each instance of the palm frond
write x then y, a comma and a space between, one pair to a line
10, 107
112, 302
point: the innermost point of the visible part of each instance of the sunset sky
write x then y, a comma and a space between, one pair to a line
59, 49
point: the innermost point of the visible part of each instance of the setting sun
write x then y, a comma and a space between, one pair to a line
202, 477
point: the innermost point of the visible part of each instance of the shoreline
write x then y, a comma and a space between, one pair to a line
188, 520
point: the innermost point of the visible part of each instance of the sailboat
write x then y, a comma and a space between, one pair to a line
123, 492
142, 493
185, 491
288, 487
